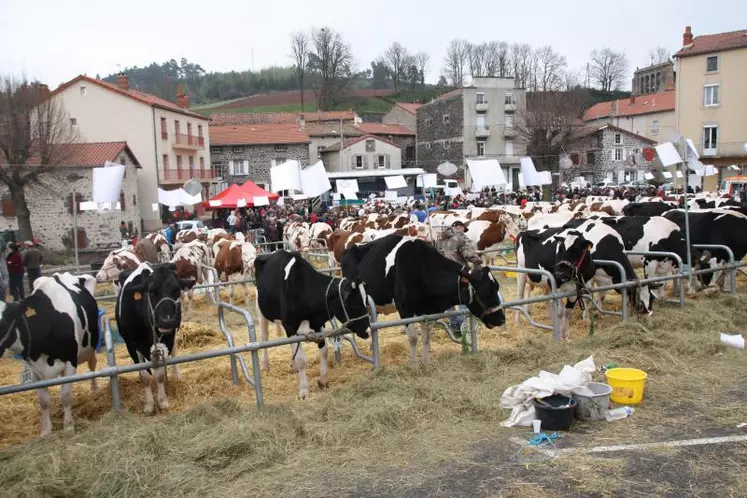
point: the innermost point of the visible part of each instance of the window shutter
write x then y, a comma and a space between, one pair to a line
612, 154
388, 164
365, 162
122, 198
69, 203
246, 167
231, 168
9, 209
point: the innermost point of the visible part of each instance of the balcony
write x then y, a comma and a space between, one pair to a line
482, 131
723, 149
182, 175
509, 107
188, 142
481, 106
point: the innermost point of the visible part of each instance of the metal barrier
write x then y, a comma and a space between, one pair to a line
732, 273
238, 359
680, 267
623, 280
503, 253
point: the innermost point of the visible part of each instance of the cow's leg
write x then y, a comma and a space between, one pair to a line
264, 334
303, 390
44, 401
426, 329
175, 368
323, 366
163, 399
412, 337
92, 367
145, 380
521, 279
247, 287
66, 399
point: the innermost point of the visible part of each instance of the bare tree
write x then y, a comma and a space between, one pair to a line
658, 55
550, 67
397, 60
546, 125
504, 59
421, 62
476, 54
520, 61
570, 79
608, 69
496, 59
33, 127
455, 62
332, 62
300, 54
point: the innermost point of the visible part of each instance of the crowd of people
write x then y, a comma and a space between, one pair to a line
18, 260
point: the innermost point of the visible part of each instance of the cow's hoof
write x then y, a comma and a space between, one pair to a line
46, 432
148, 410
323, 384
69, 427
303, 395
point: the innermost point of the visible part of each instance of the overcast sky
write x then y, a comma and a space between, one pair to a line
53, 41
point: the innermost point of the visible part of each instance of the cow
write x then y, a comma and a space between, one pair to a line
412, 275
235, 260
146, 251
341, 240
646, 208
487, 236
162, 246
299, 237
291, 292
54, 329
148, 314
116, 262
186, 236
318, 233
191, 260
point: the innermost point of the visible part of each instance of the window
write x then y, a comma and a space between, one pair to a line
9, 209
428, 146
199, 131
655, 127
710, 139
711, 95
202, 163
178, 162
280, 160
83, 91
165, 161
480, 121
238, 168
123, 162
164, 130
319, 150
618, 138
358, 162
481, 99
410, 153
509, 147
176, 127
575, 158
281, 148
236, 149
191, 162
618, 154
73, 121
481, 148
712, 63
509, 98
189, 129
640, 85
509, 120
658, 81
447, 144
370, 145
381, 161
428, 121
446, 119
590, 159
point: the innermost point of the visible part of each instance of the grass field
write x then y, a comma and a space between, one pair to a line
396, 432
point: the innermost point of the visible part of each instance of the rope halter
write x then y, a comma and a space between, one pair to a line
577, 277
473, 296
348, 320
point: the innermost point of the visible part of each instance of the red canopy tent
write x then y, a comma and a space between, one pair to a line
229, 198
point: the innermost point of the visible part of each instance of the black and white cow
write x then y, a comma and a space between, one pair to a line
293, 293
719, 227
417, 280
647, 208
148, 314
54, 329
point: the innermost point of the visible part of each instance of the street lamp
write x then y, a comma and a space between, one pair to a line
72, 178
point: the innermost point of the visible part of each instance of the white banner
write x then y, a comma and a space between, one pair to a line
390, 195
667, 154
314, 180
286, 176
261, 200
107, 182
529, 172
485, 173
349, 194
395, 182
342, 185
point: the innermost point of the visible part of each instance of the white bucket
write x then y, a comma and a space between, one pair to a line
593, 407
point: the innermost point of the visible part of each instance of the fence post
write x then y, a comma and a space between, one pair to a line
374, 334
473, 333
111, 359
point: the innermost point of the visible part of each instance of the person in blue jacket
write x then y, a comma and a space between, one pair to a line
419, 213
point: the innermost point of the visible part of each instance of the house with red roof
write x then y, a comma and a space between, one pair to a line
401, 136
403, 114
651, 115
171, 142
51, 201
712, 98
361, 154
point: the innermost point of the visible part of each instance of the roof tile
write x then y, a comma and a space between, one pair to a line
385, 129
86, 154
411, 108
258, 134
714, 43
644, 104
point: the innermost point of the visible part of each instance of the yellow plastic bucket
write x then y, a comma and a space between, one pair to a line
627, 385
510, 274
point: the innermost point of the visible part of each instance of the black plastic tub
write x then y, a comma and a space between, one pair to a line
555, 412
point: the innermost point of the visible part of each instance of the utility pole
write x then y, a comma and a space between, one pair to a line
684, 146
342, 141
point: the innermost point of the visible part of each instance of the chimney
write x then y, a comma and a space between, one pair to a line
182, 99
123, 82
632, 99
687, 36
42, 91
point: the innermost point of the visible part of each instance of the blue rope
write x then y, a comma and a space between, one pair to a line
543, 438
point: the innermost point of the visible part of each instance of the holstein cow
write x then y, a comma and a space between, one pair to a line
115, 263
235, 260
148, 314
417, 280
291, 292
54, 329
191, 260
162, 246
646, 209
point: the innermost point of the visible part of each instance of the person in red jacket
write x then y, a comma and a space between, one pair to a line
14, 261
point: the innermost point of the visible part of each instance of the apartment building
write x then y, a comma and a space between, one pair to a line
651, 116
170, 142
472, 122
712, 99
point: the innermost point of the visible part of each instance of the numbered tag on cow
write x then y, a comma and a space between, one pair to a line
26, 375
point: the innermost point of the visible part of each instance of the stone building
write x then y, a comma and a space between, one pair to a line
652, 116
608, 153
247, 152
656, 78
364, 153
322, 135
399, 135
472, 122
50, 202
402, 114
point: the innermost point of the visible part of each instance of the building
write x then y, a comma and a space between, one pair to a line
608, 153
246, 152
171, 143
324, 134
363, 153
50, 201
652, 116
300, 118
712, 98
399, 135
656, 78
472, 122
374, 181
402, 114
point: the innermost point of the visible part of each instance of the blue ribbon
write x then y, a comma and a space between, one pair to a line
542, 438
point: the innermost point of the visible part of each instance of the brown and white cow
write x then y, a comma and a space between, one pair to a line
115, 263
341, 240
191, 260
162, 246
146, 251
319, 232
235, 261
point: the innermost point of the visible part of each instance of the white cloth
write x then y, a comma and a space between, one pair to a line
107, 182
520, 398
232, 220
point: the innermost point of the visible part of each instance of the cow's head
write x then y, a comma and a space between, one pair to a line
573, 261
157, 297
11, 315
350, 306
705, 261
485, 299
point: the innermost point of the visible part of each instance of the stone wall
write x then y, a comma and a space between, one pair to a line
260, 159
430, 119
52, 221
602, 146
431, 154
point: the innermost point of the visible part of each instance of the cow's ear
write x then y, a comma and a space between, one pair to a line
139, 288
186, 283
589, 245
170, 266
706, 255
